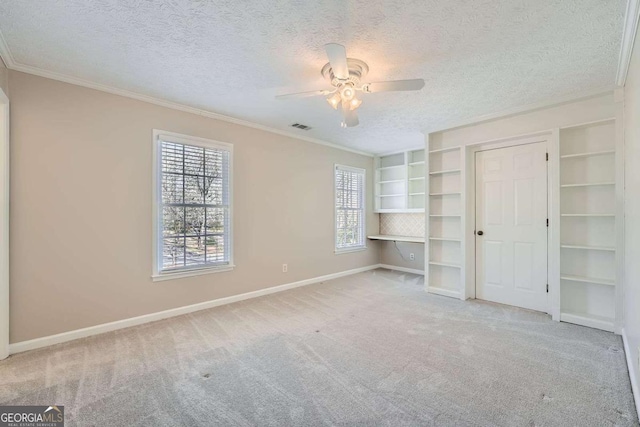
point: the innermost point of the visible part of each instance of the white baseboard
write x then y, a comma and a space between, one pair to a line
403, 269
443, 292
152, 317
632, 371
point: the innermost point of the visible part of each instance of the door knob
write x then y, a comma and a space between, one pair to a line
480, 233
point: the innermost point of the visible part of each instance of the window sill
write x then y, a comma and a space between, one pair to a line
349, 250
189, 273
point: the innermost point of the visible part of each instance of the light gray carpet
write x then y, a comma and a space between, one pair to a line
369, 349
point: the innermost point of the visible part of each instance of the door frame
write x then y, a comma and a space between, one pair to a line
4, 225
541, 145
551, 139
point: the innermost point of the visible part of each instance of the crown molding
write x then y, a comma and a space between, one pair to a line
5, 53
175, 106
8, 59
628, 37
526, 108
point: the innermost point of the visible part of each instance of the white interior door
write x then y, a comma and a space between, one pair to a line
511, 226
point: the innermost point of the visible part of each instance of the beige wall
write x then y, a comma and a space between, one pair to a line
632, 207
400, 256
81, 209
4, 78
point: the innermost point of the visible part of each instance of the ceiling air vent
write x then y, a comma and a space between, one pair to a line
299, 126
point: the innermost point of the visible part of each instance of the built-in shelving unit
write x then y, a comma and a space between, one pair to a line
445, 208
586, 219
400, 182
589, 247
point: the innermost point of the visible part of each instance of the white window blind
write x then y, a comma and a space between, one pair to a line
194, 205
350, 222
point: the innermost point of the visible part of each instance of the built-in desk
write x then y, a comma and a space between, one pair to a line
410, 239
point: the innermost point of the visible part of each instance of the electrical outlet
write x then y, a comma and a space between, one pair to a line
412, 257
285, 268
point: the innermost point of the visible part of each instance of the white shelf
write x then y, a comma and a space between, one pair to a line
416, 194
416, 179
589, 248
391, 181
586, 319
443, 292
444, 216
416, 163
453, 193
593, 153
391, 195
390, 167
444, 172
445, 239
587, 184
444, 264
442, 150
590, 215
582, 279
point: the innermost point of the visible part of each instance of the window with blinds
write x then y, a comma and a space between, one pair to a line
194, 204
350, 222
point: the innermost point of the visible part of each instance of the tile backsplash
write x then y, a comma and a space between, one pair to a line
402, 224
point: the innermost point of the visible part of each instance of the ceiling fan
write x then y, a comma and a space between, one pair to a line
345, 75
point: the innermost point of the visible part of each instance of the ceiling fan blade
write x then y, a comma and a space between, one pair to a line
395, 85
337, 55
304, 94
350, 118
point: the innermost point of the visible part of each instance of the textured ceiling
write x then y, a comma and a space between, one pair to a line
477, 57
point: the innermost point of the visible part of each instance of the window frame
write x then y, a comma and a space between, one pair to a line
157, 273
362, 247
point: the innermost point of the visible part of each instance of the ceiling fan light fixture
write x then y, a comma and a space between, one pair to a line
348, 92
334, 100
345, 76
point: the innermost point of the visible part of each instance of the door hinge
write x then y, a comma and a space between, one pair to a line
547, 288
547, 222
547, 157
